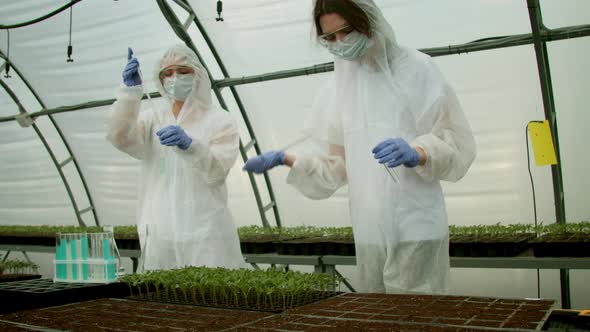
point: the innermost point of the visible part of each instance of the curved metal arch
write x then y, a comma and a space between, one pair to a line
48, 148
62, 137
179, 29
51, 119
564, 33
41, 18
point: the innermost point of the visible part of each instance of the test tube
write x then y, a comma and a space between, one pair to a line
84, 255
60, 257
92, 258
97, 256
101, 268
108, 257
74, 255
392, 173
68, 261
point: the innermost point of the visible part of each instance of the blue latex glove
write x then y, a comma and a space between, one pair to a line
131, 71
264, 162
395, 152
174, 136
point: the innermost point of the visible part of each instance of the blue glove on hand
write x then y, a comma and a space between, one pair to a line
395, 152
264, 162
131, 71
174, 136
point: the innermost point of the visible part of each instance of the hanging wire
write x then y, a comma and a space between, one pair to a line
528, 159
70, 48
7, 68
219, 11
39, 19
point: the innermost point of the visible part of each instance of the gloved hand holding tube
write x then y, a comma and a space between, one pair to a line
265, 161
174, 136
131, 72
396, 151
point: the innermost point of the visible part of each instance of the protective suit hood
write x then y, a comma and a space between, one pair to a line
180, 55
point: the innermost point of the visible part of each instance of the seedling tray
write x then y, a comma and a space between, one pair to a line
18, 277
389, 312
505, 246
49, 241
268, 302
568, 320
129, 315
551, 245
318, 247
31, 239
345, 312
257, 247
40, 293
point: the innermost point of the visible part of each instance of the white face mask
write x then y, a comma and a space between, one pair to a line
351, 47
179, 86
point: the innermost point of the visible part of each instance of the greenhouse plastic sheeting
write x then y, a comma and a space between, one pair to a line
499, 90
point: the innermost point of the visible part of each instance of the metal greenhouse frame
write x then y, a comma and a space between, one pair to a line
539, 37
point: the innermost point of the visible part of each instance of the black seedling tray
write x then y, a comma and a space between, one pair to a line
258, 247
41, 293
561, 246
479, 249
18, 277
489, 246
321, 248
567, 320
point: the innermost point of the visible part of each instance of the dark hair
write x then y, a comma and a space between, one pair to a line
350, 11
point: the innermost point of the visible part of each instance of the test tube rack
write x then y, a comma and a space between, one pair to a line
86, 258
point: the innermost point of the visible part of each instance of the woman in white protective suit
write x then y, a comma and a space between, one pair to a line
393, 129
186, 147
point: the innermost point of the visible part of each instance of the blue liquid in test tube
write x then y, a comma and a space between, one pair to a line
74, 258
109, 259
60, 257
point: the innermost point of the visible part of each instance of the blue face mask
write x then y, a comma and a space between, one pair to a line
351, 47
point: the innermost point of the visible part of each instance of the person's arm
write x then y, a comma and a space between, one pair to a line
318, 176
127, 130
447, 143
216, 157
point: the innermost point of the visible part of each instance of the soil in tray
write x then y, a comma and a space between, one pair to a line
489, 246
562, 245
347, 312
311, 324
434, 311
8, 327
343, 246
122, 314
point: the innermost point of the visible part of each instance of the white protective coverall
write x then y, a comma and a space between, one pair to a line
182, 212
400, 229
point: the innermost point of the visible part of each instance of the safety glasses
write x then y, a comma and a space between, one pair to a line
328, 38
179, 70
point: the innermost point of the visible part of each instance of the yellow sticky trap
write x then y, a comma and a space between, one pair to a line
542, 143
